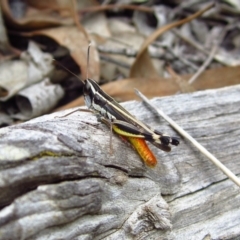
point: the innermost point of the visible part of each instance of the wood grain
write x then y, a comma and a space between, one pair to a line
59, 181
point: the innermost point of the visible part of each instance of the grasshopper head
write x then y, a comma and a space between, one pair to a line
89, 91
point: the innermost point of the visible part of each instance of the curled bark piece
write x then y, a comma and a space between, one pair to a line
13, 77
39, 63
32, 68
5, 120
37, 99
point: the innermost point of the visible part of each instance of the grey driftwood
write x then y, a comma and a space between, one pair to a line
58, 179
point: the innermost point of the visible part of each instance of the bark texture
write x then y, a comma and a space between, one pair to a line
58, 179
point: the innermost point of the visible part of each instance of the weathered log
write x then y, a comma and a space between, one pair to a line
58, 179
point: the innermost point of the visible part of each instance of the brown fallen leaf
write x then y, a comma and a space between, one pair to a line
144, 67
123, 90
35, 17
183, 85
76, 42
115, 7
154, 87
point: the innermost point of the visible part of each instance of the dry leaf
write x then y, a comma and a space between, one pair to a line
35, 18
77, 43
123, 90
143, 52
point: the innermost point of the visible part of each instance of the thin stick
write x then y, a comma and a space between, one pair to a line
79, 109
225, 170
88, 54
110, 143
213, 52
204, 65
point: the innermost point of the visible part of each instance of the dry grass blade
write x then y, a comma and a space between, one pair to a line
224, 169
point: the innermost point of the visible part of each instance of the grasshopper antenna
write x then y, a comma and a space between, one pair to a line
88, 54
68, 70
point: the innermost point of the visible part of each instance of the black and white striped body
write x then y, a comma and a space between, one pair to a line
97, 100
102, 104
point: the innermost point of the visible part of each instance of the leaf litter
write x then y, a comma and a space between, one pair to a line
159, 48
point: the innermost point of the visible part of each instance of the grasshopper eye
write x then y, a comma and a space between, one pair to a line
88, 89
99, 100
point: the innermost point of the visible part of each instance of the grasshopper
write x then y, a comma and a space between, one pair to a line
110, 112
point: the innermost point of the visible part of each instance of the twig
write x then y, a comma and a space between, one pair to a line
190, 41
200, 48
204, 65
183, 60
130, 52
117, 62
225, 170
211, 56
115, 7
182, 83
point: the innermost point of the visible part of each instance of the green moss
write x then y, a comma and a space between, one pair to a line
50, 154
